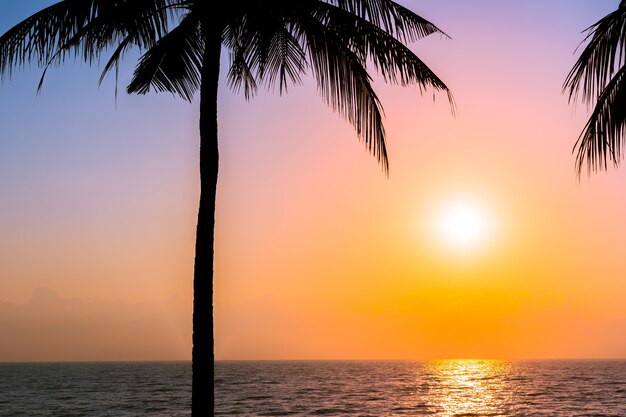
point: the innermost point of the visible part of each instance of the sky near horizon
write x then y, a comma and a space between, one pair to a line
319, 255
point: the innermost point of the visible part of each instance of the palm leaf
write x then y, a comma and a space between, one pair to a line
40, 36
174, 63
603, 55
262, 46
75, 28
598, 75
345, 85
142, 22
392, 59
393, 18
603, 137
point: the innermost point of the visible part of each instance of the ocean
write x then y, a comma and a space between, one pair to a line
97, 389
320, 388
437, 388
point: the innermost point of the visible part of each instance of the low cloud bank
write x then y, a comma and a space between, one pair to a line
49, 327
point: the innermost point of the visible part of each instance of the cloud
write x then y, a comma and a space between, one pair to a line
49, 327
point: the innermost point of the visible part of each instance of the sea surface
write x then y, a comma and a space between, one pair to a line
437, 388
320, 388
95, 389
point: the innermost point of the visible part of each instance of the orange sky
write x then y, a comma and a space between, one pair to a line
319, 255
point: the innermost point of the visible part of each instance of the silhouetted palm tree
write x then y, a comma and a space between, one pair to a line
600, 74
271, 43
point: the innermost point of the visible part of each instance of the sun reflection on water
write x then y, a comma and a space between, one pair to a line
469, 387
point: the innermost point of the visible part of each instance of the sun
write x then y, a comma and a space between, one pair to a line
463, 224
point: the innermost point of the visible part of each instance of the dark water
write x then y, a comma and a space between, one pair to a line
311, 388
95, 389
439, 388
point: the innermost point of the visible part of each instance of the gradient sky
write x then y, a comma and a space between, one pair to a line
318, 254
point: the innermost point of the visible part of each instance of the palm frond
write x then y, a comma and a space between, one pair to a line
262, 44
174, 63
271, 43
603, 137
598, 75
393, 18
601, 58
85, 29
39, 37
285, 60
345, 85
391, 58
240, 74
140, 23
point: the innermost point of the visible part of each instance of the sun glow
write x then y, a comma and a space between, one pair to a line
463, 225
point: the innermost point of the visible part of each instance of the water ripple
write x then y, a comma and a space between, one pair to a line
452, 388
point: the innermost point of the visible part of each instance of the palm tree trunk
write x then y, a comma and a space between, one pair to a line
203, 354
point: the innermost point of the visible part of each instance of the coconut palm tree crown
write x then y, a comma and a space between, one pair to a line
270, 43
599, 75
